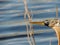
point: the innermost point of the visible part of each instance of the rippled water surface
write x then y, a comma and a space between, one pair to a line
12, 20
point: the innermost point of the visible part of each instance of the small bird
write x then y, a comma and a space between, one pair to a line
54, 24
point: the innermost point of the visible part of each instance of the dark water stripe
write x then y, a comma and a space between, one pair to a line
45, 15
22, 28
43, 8
19, 36
33, 4
13, 8
42, 15
1, 2
47, 43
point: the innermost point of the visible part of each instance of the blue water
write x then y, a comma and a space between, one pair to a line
12, 13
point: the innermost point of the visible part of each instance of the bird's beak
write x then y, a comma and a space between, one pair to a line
38, 23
